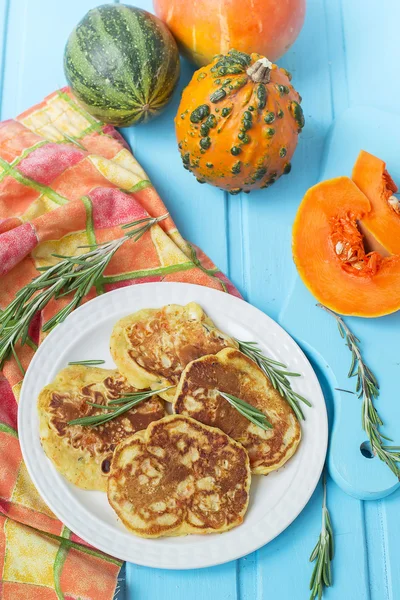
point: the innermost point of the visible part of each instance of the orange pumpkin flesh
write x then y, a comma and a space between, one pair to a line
382, 221
330, 257
204, 29
239, 142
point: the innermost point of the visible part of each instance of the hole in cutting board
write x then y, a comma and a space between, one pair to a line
366, 450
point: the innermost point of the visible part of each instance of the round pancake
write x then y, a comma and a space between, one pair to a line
152, 346
179, 477
232, 372
83, 454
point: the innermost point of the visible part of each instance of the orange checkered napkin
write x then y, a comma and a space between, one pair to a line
68, 180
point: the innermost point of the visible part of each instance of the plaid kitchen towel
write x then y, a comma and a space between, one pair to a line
68, 180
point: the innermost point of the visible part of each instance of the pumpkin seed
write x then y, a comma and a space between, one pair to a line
269, 117
394, 203
200, 113
235, 150
339, 248
217, 96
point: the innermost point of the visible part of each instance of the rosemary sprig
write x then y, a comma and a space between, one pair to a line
74, 275
247, 410
277, 373
367, 388
323, 553
87, 363
115, 408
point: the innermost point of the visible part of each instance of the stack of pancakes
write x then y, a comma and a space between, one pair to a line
188, 472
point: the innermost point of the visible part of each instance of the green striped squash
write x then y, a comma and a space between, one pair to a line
122, 64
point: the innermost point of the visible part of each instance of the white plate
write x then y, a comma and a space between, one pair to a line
275, 500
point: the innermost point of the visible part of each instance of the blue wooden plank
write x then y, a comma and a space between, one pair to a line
333, 64
203, 584
4, 18
268, 214
371, 49
37, 33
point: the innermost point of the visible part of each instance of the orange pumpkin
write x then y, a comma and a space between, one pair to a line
204, 29
383, 220
329, 253
238, 122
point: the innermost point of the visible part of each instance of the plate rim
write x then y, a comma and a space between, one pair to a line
200, 563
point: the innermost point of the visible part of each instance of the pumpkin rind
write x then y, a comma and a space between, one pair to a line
241, 109
122, 64
382, 221
204, 29
324, 262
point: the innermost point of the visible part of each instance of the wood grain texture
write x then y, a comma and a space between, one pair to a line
333, 63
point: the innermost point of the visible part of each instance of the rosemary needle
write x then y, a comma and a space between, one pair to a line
367, 388
249, 411
323, 552
277, 373
125, 403
72, 275
88, 363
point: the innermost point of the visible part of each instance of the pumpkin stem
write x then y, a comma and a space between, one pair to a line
260, 71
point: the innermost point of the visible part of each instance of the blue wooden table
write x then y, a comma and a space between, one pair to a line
346, 55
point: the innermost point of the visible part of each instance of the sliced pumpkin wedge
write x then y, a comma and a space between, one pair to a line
330, 256
383, 220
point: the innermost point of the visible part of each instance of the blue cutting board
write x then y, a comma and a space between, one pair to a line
365, 478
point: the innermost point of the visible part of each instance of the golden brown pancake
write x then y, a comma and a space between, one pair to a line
232, 372
179, 477
83, 454
153, 346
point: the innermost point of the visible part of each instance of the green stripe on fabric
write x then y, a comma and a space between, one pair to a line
196, 261
148, 272
89, 220
140, 186
91, 234
18, 159
7, 429
59, 563
75, 545
94, 123
43, 189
